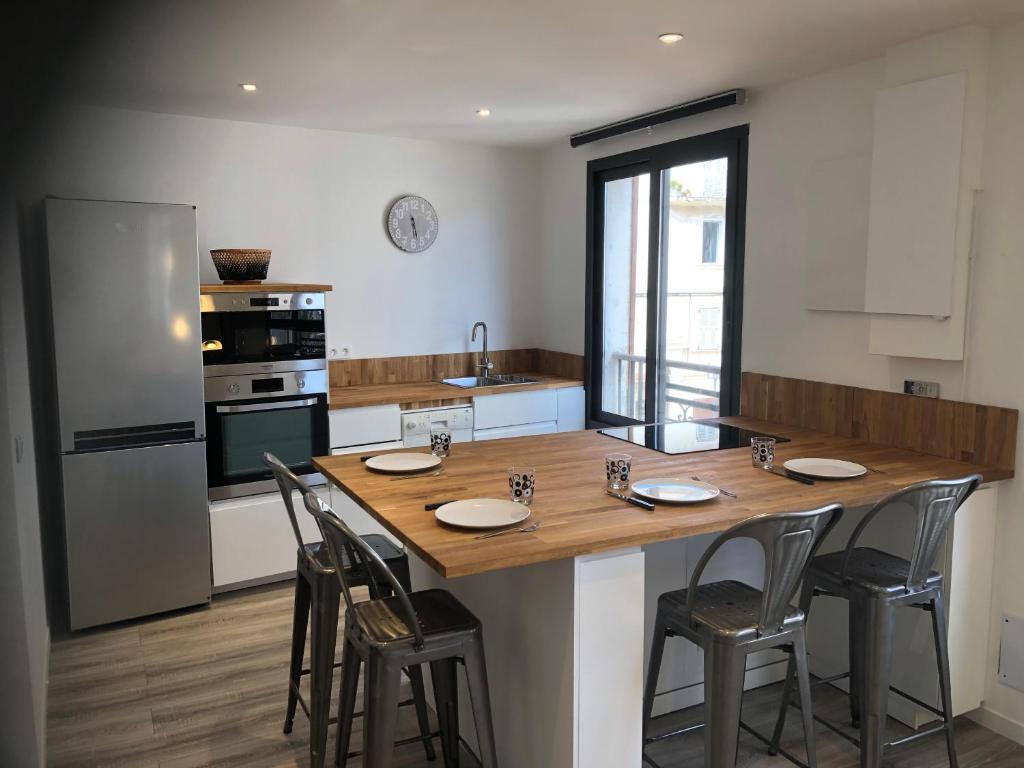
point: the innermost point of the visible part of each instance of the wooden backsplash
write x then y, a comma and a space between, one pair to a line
415, 368
982, 434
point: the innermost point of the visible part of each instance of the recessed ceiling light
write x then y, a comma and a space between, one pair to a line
483, 112
670, 37
250, 87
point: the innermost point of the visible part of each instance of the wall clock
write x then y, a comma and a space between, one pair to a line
412, 224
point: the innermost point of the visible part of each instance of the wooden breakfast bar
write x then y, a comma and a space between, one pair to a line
566, 608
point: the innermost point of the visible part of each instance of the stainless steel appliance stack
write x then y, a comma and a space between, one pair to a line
266, 383
124, 281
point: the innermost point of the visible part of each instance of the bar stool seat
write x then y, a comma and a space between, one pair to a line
437, 613
317, 552
731, 610
869, 569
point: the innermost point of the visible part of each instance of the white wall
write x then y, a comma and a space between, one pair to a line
995, 349
318, 199
24, 634
792, 126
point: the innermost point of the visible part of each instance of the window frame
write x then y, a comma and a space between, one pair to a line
730, 143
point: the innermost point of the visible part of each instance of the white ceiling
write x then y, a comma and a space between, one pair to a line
421, 68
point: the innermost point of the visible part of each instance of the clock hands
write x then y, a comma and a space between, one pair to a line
413, 220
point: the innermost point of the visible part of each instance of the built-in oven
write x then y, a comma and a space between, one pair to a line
265, 376
247, 415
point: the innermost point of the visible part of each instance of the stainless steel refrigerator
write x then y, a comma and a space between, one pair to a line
124, 286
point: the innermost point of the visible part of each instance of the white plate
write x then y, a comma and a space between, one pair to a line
825, 469
403, 463
674, 490
482, 513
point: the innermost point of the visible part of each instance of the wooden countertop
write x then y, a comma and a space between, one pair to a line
578, 517
265, 287
357, 396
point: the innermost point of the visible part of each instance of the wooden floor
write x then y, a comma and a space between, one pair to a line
207, 687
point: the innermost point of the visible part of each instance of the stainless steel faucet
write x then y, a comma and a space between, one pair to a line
485, 363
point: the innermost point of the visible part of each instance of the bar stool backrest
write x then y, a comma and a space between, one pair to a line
340, 538
287, 482
789, 541
934, 502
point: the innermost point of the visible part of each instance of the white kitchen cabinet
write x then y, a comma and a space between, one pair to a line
517, 430
509, 409
915, 188
252, 541
571, 409
363, 426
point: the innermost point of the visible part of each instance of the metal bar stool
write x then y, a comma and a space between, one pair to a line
388, 633
730, 620
876, 583
317, 593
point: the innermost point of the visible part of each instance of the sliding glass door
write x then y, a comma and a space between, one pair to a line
665, 279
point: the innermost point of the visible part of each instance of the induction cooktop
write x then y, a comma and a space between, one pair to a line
687, 436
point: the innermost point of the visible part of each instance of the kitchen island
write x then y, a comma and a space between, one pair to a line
564, 607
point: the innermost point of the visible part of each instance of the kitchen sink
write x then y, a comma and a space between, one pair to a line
494, 380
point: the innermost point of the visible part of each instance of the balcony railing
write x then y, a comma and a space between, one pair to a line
631, 374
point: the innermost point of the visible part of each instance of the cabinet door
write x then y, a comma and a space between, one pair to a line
252, 539
512, 408
361, 426
519, 430
571, 407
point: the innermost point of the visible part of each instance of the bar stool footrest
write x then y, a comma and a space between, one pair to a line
697, 726
400, 742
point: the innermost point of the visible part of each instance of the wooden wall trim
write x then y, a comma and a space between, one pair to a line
412, 369
981, 434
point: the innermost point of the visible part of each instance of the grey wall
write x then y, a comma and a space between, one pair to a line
24, 632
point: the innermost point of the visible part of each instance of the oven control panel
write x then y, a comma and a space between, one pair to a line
251, 386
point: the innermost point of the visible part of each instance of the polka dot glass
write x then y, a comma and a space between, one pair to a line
440, 442
521, 483
762, 452
616, 468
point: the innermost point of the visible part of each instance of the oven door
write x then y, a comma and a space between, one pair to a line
239, 432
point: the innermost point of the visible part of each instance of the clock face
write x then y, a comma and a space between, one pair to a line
412, 224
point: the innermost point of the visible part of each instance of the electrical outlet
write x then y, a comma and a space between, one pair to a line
921, 388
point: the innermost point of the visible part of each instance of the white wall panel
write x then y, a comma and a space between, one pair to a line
915, 184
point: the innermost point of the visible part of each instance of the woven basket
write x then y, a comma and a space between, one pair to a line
241, 265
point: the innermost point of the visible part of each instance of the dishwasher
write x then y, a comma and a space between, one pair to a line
416, 425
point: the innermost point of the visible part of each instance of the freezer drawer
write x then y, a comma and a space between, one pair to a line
138, 532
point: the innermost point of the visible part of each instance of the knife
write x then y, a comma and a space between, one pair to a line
632, 500
438, 504
791, 476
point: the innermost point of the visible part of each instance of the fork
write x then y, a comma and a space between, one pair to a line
721, 490
413, 477
524, 529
